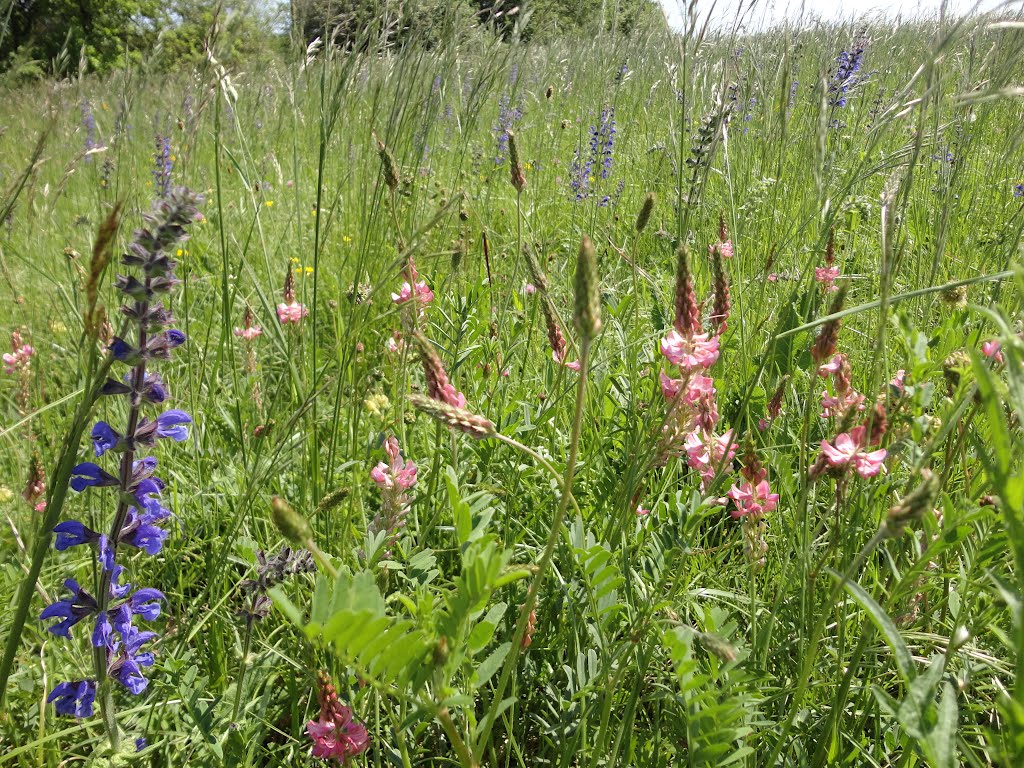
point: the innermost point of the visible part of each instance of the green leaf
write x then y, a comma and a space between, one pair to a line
491, 664
885, 625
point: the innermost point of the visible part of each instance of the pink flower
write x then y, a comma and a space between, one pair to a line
706, 455
422, 293
751, 499
832, 366
989, 349
452, 396
530, 289
849, 451
690, 352
18, 359
338, 738
898, 382
837, 406
827, 277
381, 476
641, 512
573, 365
724, 248
291, 313
773, 277
249, 333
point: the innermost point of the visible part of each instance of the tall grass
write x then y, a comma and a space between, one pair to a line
655, 640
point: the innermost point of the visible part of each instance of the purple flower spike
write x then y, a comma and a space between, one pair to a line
74, 699
104, 438
87, 475
71, 533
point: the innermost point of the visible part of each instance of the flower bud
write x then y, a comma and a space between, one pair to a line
645, 212
586, 314
459, 419
290, 523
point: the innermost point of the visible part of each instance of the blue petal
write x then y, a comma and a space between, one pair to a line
71, 533
104, 438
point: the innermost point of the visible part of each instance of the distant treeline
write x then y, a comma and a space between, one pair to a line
40, 37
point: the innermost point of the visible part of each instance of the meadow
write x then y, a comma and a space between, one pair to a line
644, 400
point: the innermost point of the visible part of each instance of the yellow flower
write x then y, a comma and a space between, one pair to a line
377, 404
529, 166
173, 158
269, 203
346, 239
294, 260
309, 270
298, 271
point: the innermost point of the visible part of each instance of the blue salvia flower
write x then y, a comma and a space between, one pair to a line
1018, 190
601, 150
115, 607
848, 65
163, 166
508, 116
89, 124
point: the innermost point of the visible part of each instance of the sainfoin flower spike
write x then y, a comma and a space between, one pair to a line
335, 734
393, 477
121, 648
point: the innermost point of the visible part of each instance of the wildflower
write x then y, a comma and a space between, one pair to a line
19, 357
290, 310
291, 313
954, 298
529, 289
335, 733
602, 141
991, 350
508, 116
898, 383
119, 643
848, 450
248, 333
827, 277
848, 64
707, 454
421, 291
752, 499
73, 699
690, 352
163, 165
393, 478
1018, 190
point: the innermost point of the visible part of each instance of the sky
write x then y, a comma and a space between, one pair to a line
767, 12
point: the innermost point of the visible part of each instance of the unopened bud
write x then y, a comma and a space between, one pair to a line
290, 523
913, 506
460, 419
391, 175
646, 210
515, 166
586, 315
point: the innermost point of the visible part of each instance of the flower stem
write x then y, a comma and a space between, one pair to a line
106, 698
549, 550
